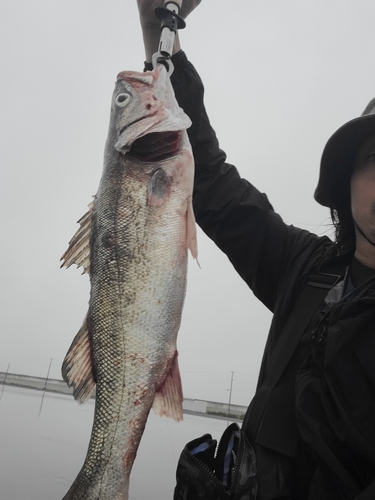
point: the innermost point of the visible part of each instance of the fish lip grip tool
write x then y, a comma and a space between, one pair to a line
171, 21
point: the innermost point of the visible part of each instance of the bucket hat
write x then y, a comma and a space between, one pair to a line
338, 158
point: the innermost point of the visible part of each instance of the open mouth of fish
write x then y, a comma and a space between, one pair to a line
156, 146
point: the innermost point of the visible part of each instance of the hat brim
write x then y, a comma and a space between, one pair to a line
338, 159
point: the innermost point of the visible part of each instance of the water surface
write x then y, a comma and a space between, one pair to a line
43, 448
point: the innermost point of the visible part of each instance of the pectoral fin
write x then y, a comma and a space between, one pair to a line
78, 251
159, 188
168, 398
191, 231
77, 369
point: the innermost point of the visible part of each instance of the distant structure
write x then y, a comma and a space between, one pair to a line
190, 406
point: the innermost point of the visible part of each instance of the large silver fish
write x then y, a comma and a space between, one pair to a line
133, 241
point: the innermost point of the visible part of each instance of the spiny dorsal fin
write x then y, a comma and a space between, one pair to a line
77, 369
78, 251
168, 398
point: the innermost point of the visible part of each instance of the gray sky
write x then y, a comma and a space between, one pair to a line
280, 76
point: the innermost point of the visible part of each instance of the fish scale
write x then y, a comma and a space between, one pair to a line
133, 242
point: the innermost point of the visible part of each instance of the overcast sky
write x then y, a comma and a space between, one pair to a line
280, 76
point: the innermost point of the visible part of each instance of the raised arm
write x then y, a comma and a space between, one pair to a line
232, 212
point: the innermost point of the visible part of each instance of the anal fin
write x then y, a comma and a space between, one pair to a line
168, 398
77, 368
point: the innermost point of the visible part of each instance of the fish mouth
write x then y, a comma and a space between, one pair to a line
133, 122
156, 146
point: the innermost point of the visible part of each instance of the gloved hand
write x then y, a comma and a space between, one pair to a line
150, 24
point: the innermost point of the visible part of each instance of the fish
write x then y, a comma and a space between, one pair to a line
133, 242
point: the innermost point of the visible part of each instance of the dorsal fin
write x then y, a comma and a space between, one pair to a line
77, 368
78, 251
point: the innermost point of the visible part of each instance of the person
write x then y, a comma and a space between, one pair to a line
311, 422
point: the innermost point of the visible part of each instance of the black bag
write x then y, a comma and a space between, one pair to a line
230, 474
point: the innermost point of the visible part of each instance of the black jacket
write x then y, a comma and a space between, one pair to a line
334, 399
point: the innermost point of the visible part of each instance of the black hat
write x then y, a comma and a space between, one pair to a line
338, 158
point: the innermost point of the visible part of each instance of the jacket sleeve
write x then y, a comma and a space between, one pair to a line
232, 212
368, 493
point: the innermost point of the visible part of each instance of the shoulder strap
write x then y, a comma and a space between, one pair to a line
307, 304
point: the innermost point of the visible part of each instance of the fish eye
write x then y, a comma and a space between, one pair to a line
122, 99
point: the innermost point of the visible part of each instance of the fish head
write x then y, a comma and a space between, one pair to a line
144, 106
